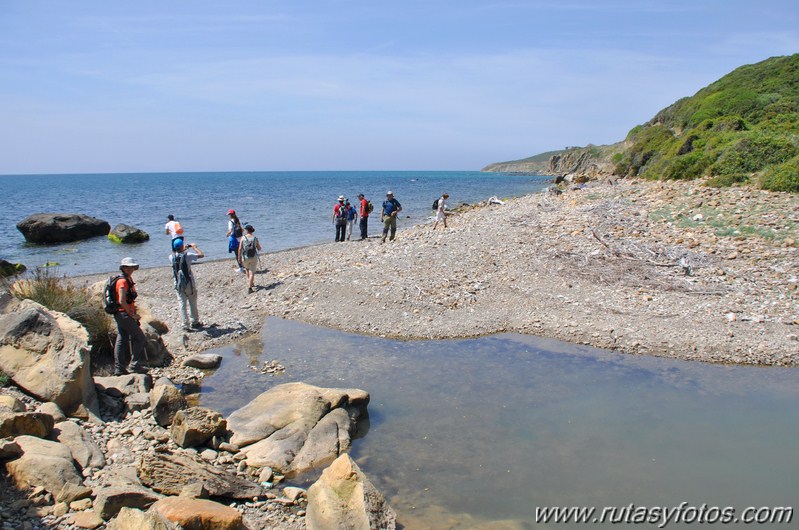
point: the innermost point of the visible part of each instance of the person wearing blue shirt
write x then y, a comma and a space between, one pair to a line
391, 207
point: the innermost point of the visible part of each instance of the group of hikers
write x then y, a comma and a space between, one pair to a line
345, 215
121, 290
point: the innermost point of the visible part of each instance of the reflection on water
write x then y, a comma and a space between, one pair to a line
488, 429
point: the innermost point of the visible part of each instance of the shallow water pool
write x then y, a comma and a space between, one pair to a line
473, 431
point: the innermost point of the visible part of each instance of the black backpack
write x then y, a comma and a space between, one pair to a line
435, 204
180, 271
110, 301
250, 250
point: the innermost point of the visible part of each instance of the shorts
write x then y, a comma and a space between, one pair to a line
440, 215
251, 264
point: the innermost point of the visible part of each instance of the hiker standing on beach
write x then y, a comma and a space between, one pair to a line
441, 211
234, 233
340, 218
173, 228
129, 347
249, 247
181, 260
352, 217
391, 207
364, 213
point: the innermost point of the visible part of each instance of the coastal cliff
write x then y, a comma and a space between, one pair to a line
740, 129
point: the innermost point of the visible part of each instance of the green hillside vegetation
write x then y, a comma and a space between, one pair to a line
742, 128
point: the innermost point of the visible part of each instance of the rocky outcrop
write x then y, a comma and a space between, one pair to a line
127, 235
43, 463
584, 163
24, 423
109, 501
61, 227
199, 514
278, 425
47, 354
194, 426
133, 519
170, 473
205, 361
83, 448
10, 269
343, 497
166, 400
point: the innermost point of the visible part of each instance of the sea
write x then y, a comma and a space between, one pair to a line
288, 209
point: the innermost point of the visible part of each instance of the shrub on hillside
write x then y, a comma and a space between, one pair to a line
784, 177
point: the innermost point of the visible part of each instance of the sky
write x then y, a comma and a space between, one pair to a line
263, 85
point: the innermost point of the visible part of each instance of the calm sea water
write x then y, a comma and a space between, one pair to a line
489, 429
287, 209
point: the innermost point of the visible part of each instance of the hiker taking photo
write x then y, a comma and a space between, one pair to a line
181, 259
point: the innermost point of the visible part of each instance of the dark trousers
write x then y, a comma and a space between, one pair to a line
129, 347
364, 227
341, 231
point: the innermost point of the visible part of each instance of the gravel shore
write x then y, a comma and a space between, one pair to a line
669, 269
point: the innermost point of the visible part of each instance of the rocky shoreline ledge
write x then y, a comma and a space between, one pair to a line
670, 269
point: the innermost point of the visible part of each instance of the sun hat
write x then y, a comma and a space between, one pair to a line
177, 243
341, 197
231, 212
128, 262
389, 192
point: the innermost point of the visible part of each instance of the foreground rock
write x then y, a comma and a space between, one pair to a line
170, 473
199, 514
10, 269
43, 463
127, 235
344, 498
291, 421
61, 227
47, 354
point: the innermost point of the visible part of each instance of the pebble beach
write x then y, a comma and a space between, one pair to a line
668, 269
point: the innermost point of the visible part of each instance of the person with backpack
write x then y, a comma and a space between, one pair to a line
234, 233
391, 207
185, 286
129, 346
340, 218
440, 206
365, 210
173, 228
352, 216
249, 247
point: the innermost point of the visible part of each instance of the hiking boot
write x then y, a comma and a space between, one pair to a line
249, 290
120, 371
197, 325
138, 370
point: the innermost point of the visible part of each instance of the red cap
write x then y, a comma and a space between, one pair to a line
231, 212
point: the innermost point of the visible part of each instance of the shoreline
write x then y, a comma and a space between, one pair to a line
598, 265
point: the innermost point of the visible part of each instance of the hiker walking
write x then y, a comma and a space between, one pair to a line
185, 286
129, 346
234, 233
441, 211
364, 211
340, 218
391, 207
352, 217
249, 247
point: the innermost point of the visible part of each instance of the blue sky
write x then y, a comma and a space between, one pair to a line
99, 86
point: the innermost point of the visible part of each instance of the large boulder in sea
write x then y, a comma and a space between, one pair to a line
46, 354
295, 427
45, 228
127, 234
